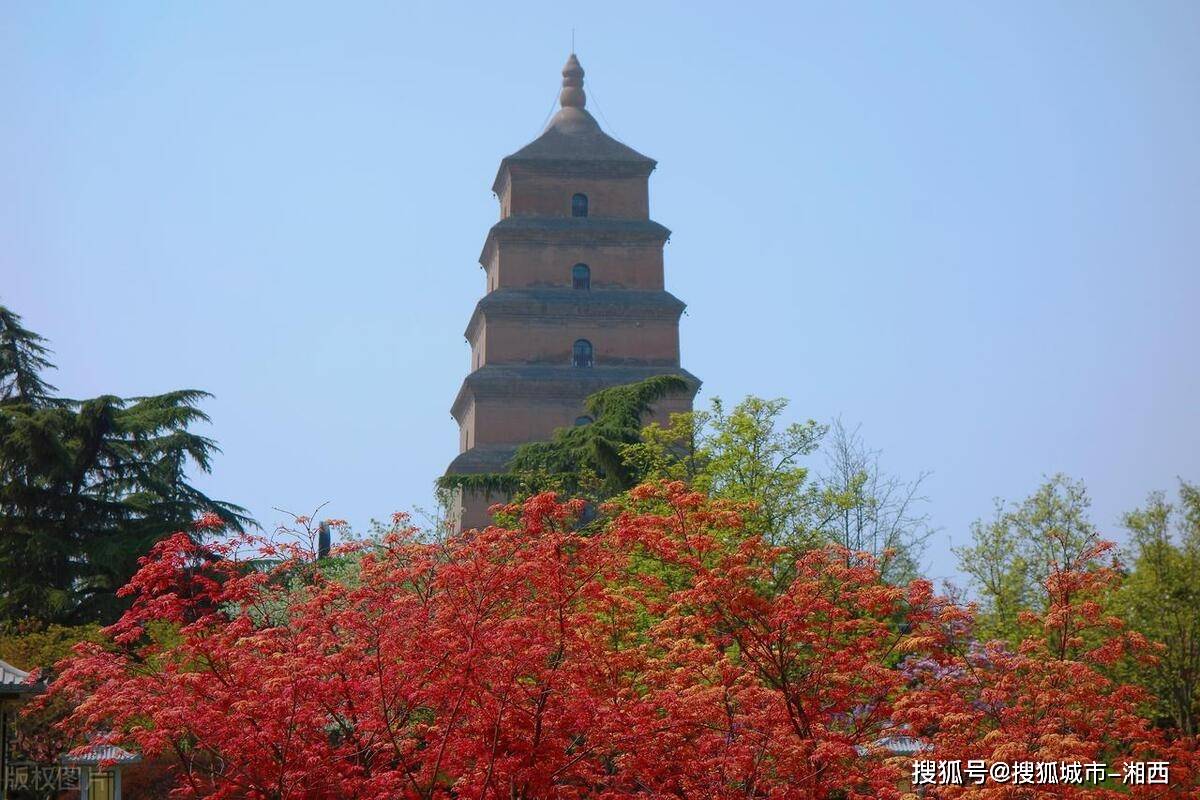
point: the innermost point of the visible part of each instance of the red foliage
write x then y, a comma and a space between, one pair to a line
1051, 700
668, 655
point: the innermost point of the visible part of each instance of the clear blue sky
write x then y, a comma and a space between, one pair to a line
972, 230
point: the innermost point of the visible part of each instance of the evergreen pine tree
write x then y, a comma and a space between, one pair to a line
87, 486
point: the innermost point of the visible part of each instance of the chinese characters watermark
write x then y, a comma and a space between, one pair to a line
977, 772
40, 777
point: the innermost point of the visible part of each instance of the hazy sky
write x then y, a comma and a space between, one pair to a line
972, 230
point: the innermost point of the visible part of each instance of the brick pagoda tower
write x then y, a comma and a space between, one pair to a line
575, 300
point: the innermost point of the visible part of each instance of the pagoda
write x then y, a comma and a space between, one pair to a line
575, 297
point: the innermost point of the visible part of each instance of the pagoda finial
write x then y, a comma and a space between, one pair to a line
572, 95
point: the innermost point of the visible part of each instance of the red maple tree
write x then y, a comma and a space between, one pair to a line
766, 674
670, 653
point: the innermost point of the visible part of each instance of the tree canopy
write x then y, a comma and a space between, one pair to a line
1160, 598
538, 660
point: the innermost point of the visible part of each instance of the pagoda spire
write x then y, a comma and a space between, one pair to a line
572, 95
573, 117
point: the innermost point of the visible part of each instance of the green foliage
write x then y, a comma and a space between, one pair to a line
1160, 598
488, 483
31, 647
1013, 553
86, 487
585, 460
743, 455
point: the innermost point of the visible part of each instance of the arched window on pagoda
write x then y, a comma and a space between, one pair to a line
581, 276
579, 205
584, 420
581, 353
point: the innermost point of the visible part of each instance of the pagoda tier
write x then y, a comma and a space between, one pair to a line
508, 405
541, 326
541, 251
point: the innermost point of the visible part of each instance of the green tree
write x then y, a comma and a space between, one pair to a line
1013, 553
1160, 598
744, 454
87, 486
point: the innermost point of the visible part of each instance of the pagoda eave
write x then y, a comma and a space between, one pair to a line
573, 231
556, 381
564, 304
482, 458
